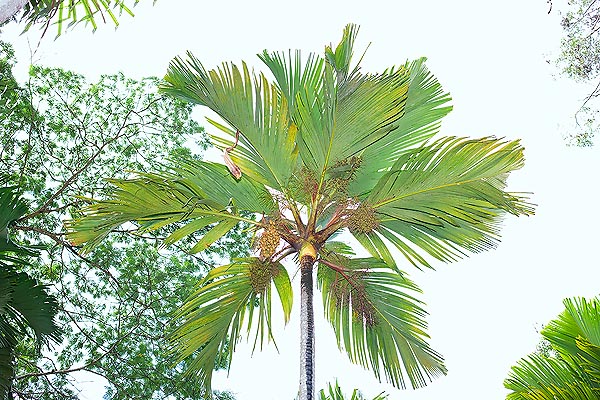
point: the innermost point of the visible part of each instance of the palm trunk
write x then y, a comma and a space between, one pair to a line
307, 330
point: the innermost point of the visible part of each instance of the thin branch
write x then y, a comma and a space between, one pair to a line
283, 254
59, 240
584, 13
85, 366
594, 93
75, 175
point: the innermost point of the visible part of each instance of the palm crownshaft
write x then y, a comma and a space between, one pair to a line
323, 150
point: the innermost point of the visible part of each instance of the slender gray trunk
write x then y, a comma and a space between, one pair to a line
9, 8
307, 330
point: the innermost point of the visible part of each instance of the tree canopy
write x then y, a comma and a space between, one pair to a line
579, 59
59, 135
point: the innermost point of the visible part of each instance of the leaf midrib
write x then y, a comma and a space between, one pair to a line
430, 189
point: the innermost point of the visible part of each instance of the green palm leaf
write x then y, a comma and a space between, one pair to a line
6, 370
12, 208
376, 320
543, 378
575, 334
423, 111
189, 192
335, 393
574, 372
349, 111
74, 12
448, 196
289, 74
249, 104
214, 315
376, 247
25, 305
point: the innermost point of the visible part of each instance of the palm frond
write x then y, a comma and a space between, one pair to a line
25, 305
250, 105
377, 320
12, 208
575, 334
448, 197
546, 378
215, 314
349, 111
74, 12
341, 57
376, 247
204, 193
574, 372
289, 74
334, 392
6, 369
423, 110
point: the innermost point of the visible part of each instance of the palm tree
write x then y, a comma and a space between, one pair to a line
25, 305
571, 371
324, 149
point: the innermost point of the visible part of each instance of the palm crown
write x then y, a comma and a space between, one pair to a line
323, 149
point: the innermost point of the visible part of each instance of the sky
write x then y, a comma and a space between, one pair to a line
493, 58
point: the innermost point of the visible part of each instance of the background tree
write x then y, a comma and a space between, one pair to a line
570, 370
579, 59
59, 134
323, 150
59, 12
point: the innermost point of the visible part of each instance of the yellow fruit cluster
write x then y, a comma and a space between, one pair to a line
261, 275
269, 241
363, 219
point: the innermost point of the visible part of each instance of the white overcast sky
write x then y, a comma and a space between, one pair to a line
491, 56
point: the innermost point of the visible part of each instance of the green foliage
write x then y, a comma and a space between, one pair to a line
580, 47
326, 149
73, 12
571, 369
59, 135
579, 59
335, 393
187, 192
266, 151
377, 319
444, 210
216, 311
26, 308
586, 127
